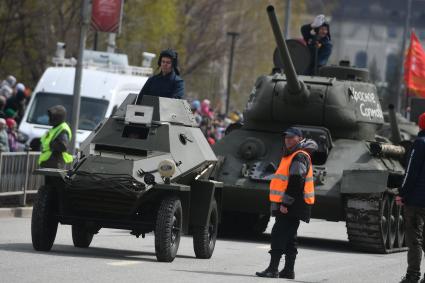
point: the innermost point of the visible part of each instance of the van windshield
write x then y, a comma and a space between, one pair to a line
92, 110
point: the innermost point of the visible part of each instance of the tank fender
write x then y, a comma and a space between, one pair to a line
357, 181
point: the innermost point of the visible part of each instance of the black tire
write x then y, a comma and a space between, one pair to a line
204, 237
168, 229
81, 237
44, 223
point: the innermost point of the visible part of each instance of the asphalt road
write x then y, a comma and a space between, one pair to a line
116, 256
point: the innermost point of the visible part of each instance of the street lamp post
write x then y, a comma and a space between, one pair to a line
403, 50
85, 10
287, 18
233, 36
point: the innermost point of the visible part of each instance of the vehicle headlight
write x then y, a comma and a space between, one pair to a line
166, 168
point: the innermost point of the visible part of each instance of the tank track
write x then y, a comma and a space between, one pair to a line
374, 223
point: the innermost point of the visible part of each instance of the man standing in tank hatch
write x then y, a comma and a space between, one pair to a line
167, 83
317, 36
291, 196
412, 196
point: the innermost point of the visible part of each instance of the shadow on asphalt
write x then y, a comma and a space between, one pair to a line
318, 244
71, 251
228, 274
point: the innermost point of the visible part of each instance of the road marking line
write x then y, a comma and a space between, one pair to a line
123, 263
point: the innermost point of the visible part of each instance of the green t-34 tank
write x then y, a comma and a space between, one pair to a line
356, 171
144, 169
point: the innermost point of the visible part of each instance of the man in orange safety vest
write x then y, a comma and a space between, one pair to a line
291, 196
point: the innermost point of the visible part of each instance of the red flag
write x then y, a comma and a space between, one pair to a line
414, 67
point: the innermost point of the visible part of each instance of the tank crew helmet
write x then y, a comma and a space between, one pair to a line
170, 53
291, 132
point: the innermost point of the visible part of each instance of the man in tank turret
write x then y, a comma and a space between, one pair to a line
317, 36
168, 82
291, 196
412, 195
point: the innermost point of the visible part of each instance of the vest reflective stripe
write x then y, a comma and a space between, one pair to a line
279, 182
48, 137
277, 193
281, 177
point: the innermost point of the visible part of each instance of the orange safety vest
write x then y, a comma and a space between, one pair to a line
279, 182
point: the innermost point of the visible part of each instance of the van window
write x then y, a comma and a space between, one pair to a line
92, 110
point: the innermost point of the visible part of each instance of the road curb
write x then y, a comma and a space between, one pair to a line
24, 212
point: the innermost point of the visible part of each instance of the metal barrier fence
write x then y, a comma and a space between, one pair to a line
16, 170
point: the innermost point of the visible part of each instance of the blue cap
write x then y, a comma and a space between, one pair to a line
290, 132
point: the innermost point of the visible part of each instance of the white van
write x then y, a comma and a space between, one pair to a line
105, 84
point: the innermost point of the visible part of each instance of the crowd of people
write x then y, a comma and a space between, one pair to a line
212, 123
13, 100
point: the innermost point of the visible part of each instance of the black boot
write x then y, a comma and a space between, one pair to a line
409, 278
288, 271
272, 271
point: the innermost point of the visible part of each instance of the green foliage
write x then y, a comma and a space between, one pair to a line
197, 29
150, 25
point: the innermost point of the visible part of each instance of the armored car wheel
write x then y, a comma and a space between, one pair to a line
204, 237
168, 229
44, 223
81, 237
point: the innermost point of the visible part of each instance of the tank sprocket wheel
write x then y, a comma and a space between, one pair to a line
168, 229
204, 237
371, 221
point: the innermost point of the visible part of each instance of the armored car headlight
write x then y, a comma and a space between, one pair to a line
166, 168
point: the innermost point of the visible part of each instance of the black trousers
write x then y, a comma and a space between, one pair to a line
284, 236
415, 218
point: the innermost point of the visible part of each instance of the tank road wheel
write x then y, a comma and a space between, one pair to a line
261, 224
384, 220
44, 223
204, 237
400, 242
374, 223
392, 223
81, 237
168, 229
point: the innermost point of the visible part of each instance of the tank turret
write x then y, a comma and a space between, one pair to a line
348, 107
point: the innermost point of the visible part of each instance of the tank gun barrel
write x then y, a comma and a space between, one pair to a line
395, 131
387, 150
294, 86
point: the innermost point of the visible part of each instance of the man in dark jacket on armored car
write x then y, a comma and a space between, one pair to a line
167, 83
